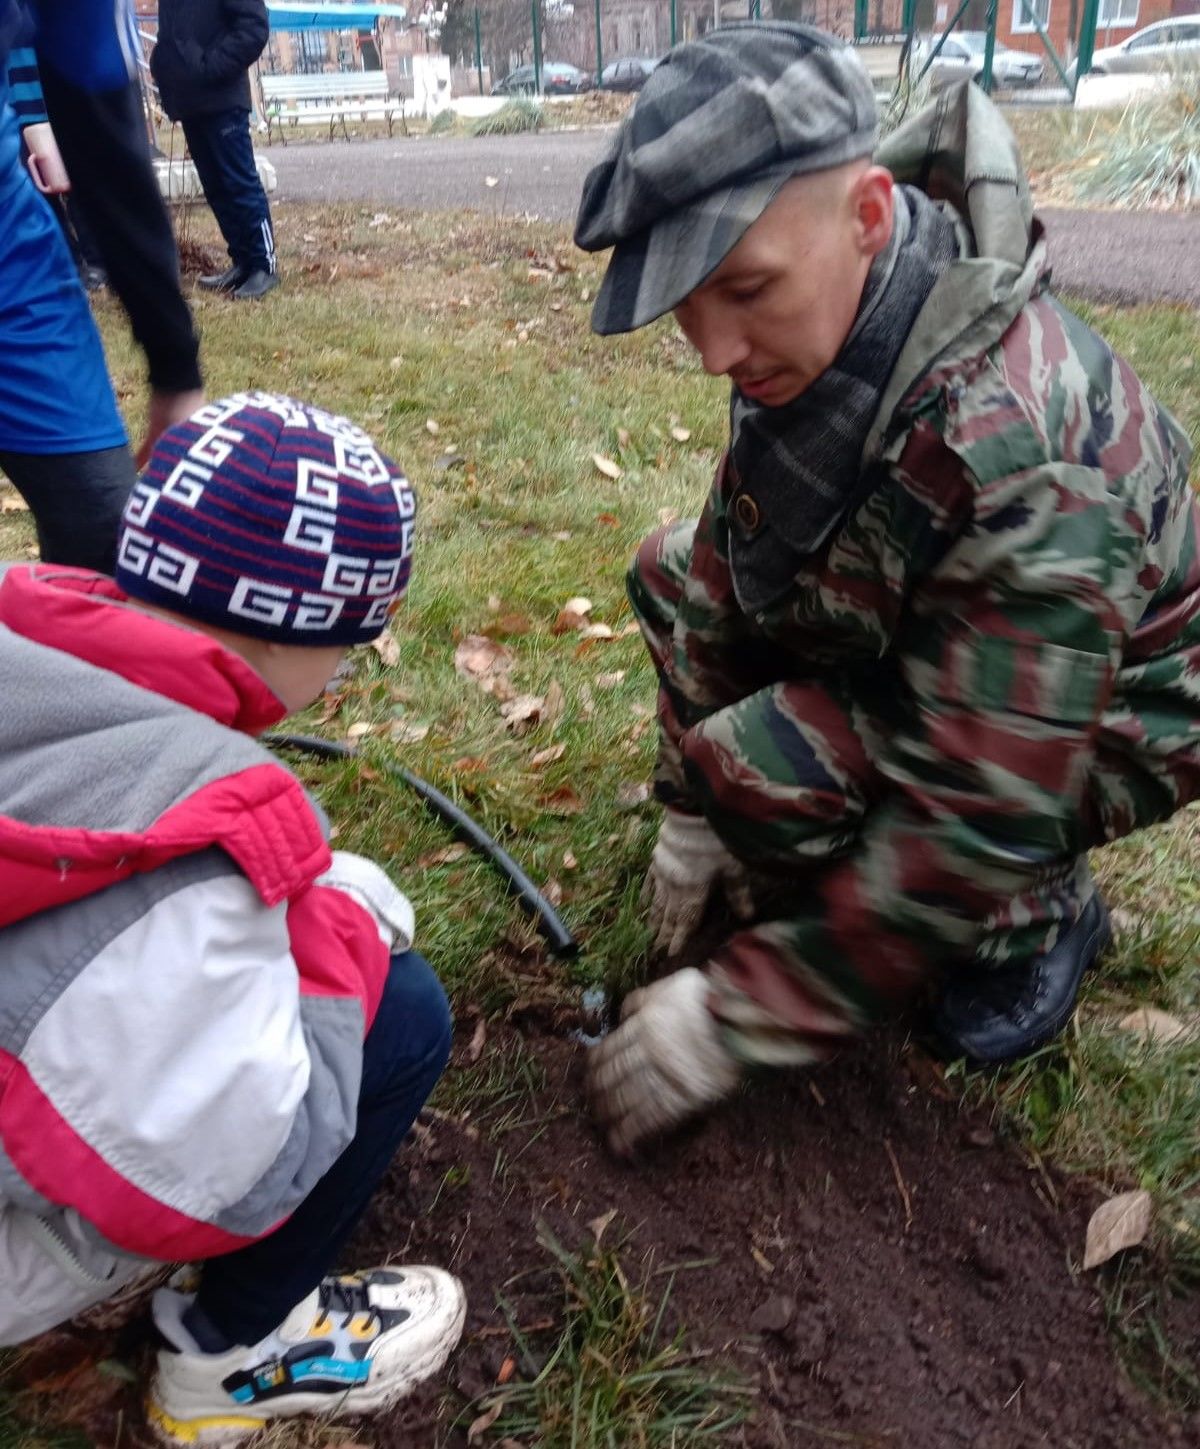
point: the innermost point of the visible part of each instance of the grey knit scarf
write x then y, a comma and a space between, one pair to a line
801, 463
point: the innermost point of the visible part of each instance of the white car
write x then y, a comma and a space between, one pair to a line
961, 58
1166, 45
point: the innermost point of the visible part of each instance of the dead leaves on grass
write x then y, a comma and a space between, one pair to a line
487, 663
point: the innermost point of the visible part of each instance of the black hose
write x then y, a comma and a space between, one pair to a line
530, 899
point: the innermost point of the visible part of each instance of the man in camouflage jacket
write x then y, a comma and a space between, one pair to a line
937, 631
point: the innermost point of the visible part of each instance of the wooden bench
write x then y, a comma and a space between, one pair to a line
357, 94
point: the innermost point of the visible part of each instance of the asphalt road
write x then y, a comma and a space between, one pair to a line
1105, 256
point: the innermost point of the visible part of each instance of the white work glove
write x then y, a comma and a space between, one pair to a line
370, 886
689, 861
664, 1063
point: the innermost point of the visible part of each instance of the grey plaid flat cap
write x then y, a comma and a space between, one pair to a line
718, 128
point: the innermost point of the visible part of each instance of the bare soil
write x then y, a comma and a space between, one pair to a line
874, 1261
887, 1272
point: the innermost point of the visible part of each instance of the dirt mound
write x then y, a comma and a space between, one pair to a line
886, 1271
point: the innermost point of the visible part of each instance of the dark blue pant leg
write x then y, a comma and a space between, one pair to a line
246, 1294
223, 154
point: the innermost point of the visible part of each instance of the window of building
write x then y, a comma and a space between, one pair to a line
1117, 13
1023, 9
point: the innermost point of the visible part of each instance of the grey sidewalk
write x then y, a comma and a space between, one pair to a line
1104, 256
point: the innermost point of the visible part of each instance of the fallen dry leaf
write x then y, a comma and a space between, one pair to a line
432, 426
1159, 1027
1120, 1223
632, 793
553, 892
563, 801
569, 862
578, 605
610, 680
445, 855
506, 626
485, 662
599, 1226
623, 439
555, 701
358, 730
667, 516
480, 1425
681, 435
387, 648
547, 756
610, 520
507, 1369
522, 712
761, 1259
405, 732
568, 622
599, 631
478, 1042
606, 466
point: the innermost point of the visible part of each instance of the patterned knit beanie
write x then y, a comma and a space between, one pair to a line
272, 518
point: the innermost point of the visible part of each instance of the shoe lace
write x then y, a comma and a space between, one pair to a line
349, 1297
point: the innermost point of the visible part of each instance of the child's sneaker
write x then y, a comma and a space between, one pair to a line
354, 1346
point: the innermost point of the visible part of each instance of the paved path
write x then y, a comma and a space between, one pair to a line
1105, 256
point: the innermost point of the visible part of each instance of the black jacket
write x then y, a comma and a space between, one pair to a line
205, 48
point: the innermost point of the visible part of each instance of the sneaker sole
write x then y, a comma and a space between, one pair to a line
217, 1431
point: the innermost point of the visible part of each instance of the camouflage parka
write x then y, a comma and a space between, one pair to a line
992, 665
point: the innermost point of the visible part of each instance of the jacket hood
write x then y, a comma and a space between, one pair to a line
960, 151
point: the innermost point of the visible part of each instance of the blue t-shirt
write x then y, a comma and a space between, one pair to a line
55, 393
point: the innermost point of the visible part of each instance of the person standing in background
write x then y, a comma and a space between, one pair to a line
205, 49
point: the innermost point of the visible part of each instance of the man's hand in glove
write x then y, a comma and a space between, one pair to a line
688, 863
665, 1062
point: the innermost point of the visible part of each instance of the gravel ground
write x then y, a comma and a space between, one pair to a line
1105, 256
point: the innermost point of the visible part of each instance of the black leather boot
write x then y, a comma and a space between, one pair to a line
223, 281
1000, 1015
256, 286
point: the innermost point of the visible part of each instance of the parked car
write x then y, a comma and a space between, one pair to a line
557, 80
1166, 45
628, 74
961, 58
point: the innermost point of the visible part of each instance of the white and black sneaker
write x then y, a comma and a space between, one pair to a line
356, 1345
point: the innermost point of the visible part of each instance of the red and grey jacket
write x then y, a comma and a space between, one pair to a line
182, 1007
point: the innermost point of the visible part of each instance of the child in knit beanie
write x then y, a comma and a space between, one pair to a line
217, 1030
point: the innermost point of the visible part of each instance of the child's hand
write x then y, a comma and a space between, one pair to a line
45, 164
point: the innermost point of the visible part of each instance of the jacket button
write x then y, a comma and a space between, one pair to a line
747, 513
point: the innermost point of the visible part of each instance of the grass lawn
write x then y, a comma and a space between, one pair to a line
462, 344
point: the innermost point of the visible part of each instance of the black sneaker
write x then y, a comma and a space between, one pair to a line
999, 1015
256, 286
224, 281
